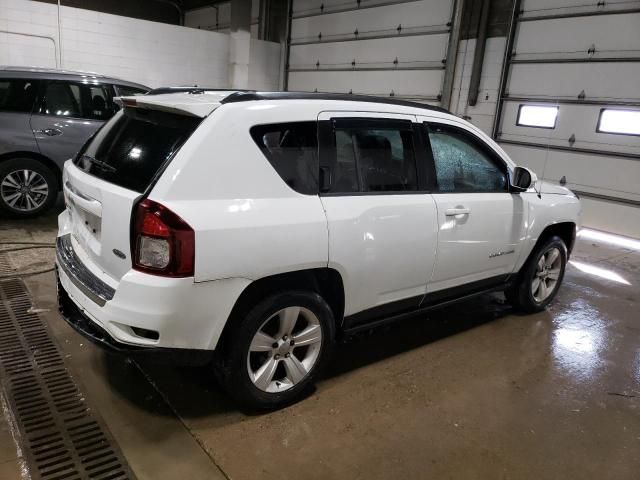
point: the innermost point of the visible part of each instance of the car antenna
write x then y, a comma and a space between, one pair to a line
546, 156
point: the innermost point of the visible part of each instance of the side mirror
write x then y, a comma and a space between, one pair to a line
523, 179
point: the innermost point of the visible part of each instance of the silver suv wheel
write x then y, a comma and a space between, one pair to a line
24, 190
284, 349
546, 275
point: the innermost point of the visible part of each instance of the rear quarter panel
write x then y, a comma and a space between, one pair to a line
248, 223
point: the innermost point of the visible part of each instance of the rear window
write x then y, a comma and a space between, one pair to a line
134, 146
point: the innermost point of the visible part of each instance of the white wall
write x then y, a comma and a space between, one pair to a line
154, 54
484, 111
264, 65
218, 18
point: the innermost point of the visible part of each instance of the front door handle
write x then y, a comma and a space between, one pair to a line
50, 132
451, 212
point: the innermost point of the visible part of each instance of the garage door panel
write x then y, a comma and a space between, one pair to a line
538, 7
598, 80
598, 174
581, 57
403, 83
578, 34
387, 18
405, 49
610, 216
579, 121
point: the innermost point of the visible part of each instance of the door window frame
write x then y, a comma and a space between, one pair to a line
476, 141
327, 154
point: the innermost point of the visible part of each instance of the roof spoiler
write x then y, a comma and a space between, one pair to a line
194, 90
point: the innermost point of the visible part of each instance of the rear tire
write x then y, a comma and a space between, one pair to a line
539, 280
272, 356
27, 187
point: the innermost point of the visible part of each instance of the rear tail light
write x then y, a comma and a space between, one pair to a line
162, 242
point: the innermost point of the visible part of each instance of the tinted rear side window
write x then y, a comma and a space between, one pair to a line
292, 150
17, 95
76, 100
134, 146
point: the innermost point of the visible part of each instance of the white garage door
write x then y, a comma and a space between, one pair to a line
571, 103
373, 47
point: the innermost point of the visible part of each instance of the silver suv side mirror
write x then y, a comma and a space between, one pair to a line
523, 179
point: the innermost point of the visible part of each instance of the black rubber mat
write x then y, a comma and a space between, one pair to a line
60, 435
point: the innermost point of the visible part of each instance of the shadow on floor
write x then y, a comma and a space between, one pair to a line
192, 392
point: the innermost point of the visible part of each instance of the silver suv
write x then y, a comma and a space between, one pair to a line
46, 115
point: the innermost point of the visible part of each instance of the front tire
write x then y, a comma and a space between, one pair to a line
272, 356
27, 187
539, 280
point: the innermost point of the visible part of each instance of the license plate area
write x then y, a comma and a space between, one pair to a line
86, 227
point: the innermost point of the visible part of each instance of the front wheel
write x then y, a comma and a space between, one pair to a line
272, 356
539, 281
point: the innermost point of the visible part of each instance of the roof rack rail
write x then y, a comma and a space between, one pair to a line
247, 96
194, 89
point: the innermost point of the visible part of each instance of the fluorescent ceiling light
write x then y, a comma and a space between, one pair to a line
537, 116
619, 121
610, 238
599, 272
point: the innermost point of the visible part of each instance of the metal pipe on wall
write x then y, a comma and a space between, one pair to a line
47, 37
177, 7
285, 73
511, 36
478, 55
59, 63
452, 53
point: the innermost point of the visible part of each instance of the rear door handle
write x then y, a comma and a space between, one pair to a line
51, 132
451, 212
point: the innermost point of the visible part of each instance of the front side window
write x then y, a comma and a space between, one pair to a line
17, 95
373, 156
292, 150
66, 99
462, 165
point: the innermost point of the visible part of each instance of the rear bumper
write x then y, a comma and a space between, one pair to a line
140, 310
99, 336
94, 288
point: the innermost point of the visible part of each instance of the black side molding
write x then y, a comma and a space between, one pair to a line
410, 307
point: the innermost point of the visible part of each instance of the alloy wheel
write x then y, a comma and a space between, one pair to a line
24, 190
284, 349
546, 275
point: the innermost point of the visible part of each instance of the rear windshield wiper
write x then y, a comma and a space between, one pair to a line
98, 163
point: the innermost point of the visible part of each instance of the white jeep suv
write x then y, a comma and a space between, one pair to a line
254, 229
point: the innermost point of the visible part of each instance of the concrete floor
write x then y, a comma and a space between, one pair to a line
469, 392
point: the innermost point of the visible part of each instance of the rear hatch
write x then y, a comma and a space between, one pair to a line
107, 178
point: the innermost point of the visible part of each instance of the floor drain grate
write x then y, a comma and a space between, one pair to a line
62, 437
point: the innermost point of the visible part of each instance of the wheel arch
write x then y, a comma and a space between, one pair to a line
327, 282
53, 166
565, 230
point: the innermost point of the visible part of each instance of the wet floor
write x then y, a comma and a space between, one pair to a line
472, 391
